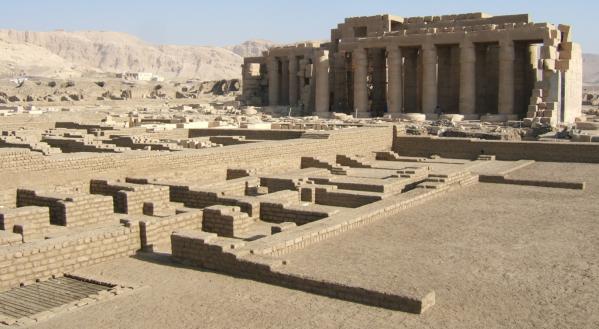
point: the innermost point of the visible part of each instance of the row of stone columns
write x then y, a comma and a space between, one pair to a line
321, 71
429, 83
467, 96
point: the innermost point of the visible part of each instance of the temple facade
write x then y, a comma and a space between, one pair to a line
504, 67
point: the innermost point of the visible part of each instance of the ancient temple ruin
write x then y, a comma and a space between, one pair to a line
499, 67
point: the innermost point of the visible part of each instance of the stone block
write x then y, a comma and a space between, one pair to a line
563, 65
532, 108
566, 32
549, 64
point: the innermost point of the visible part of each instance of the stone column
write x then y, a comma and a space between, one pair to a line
360, 66
395, 88
293, 67
468, 80
506, 78
273, 81
322, 84
429, 79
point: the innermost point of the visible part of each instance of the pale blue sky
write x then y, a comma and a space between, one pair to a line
224, 22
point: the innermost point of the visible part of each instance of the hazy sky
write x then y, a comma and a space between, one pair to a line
225, 22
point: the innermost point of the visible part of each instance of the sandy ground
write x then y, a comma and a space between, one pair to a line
497, 256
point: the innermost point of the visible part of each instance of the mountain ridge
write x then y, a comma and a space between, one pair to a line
72, 54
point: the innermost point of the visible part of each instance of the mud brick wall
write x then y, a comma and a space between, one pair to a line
104, 187
260, 134
226, 221
31, 222
206, 195
177, 192
285, 197
232, 194
235, 187
132, 202
248, 205
18, 159
234, 173
158, 231
230, 140
42, 259
140, 143
279, 184
37, 216
463, 148
34, 162
8, 238
199, 199
499, 179
88, 127
350, 219
220, 254
279, 213
202, 199
8, 199
376, 186
75, 145
130, 198
353, 161
269, 156
30, 198
312, 162
252, 205
345, 198
75, 211
202, 249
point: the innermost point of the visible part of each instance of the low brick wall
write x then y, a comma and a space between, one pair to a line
330, 196
8, 238
269, 156
350, 219
260, 134
208, 251
156, 231
130, 198
529, 182
226, 221
30, 222
132, 202
15, 159
280, 213
42, 259
257, 259
464, 148
230, 193
76, 211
